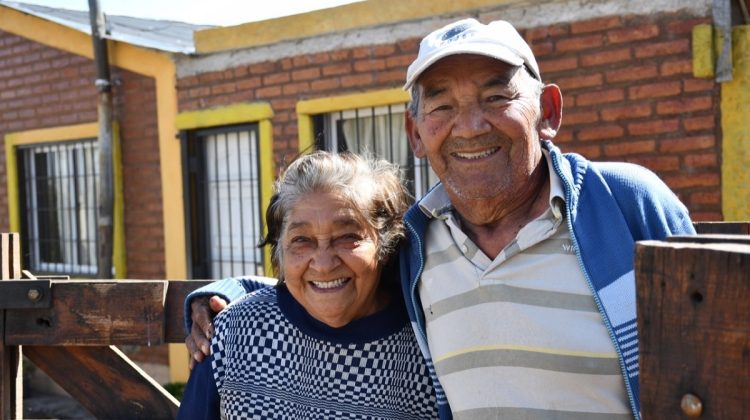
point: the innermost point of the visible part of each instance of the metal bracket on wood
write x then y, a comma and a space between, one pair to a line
25, 294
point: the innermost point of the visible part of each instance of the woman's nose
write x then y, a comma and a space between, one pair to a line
324, 259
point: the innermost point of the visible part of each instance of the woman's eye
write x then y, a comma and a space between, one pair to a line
300, 240
496, 98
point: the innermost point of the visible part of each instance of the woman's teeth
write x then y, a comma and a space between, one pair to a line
477, 155
329, 284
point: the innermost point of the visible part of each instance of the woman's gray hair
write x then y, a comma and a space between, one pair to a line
372, 187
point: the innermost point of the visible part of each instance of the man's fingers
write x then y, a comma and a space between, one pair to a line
217, 304
199, 340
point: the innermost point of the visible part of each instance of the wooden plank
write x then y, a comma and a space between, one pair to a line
11, 385
103, 312
735, 228
693, 302
175, 322
707, 238
96, 312
104, 381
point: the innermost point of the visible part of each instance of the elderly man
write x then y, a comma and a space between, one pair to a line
518, 269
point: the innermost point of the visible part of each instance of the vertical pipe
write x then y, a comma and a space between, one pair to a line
106, 195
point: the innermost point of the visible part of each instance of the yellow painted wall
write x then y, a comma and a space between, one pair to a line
149, 63
350, 16
735, 107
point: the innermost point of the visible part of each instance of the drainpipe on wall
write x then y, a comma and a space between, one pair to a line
106, 195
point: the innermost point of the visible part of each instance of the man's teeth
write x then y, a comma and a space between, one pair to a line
477, 155
329, 284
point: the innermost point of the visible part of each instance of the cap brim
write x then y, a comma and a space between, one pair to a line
491, 50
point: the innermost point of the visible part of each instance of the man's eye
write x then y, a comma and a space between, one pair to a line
497, 98
300, 240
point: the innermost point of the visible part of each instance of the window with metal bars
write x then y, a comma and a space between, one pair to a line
377, 131
223, 201
59, 189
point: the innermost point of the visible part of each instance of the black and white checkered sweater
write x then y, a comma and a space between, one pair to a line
271, 359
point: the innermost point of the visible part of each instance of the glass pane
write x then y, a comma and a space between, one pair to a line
60, 183
234, 228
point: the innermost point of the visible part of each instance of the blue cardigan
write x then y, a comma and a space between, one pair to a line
609, 206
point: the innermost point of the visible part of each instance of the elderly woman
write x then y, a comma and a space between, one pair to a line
332, 339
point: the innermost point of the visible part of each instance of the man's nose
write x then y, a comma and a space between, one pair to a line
470, 121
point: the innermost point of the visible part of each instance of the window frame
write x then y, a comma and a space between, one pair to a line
259, 113
16, 140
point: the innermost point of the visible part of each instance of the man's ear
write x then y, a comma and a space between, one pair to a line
415, 141
552, 103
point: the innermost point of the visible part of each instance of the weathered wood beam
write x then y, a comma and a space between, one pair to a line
104, 312
732, 228
104, 381
693, 301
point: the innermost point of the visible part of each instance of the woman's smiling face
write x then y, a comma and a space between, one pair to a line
330, 261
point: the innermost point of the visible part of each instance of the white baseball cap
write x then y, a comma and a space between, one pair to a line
498, 39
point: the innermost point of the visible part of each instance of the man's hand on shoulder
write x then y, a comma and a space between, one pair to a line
203, 310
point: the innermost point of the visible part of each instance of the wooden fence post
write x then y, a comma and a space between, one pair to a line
693, 300
11, 374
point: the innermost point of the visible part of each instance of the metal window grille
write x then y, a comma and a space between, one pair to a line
377, 131
59, 189
224, 201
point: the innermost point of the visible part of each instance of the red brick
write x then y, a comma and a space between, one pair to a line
594, 25
706, 197
676, 67
311, 59
663, 48
653, 127
580, 81
356, 80
383, 50
276, 78
247, 84
606, 57
546, 32
684, 105
212, 77
197, 92
602, 132
559, 64
340, 55
699, 85
580, 117
369, 65
579, 43
361, 52
324, 84
337, 69
223, 88
624, 74
390, 77
628, 111
660, 163
600, 97
705, 216
268, 92
697, 180
400, 61
699, 123
687, 144
262, 68
640, 33
702, 160
591, 151
654, 90
542, 49
625, 148
685, 26
295, 88
306, 74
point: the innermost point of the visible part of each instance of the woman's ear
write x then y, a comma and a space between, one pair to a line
551, 101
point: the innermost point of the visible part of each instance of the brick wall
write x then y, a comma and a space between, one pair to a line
627, 85
42, 87
629, 95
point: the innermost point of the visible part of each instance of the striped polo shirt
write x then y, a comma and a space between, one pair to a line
519, 336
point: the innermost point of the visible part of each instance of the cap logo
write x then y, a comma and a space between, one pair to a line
454, 32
